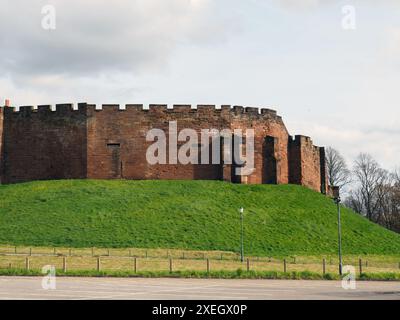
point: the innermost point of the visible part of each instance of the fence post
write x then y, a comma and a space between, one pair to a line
366, 263
323, 266
98, 264
108, 252
170, 265
208, 265
15, 249
146, 254
221, 255
65, 264
360, 265
30, 251
248, 264
284, 265
135, 264
27, 263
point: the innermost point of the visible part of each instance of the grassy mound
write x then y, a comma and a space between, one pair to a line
202, 215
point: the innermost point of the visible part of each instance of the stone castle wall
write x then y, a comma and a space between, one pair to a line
110, 143
1, 143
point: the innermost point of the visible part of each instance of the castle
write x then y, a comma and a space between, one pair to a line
68, 142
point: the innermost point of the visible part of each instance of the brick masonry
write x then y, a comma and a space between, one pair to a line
110, 143
1, 143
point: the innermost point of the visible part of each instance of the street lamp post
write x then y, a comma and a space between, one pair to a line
337, 201
241, 210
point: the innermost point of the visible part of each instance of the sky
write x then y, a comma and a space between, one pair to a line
331, 73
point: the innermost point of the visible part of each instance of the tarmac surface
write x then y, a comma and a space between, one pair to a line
187, 289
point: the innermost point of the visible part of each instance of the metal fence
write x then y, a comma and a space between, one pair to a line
137, 260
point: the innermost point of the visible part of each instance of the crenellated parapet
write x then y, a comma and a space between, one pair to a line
307, 163
1, 144
107, 141
64, 108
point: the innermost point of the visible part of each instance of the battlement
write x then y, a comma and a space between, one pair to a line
300, 139
65, 108
58, 108
304, 141
307, 163
108, 141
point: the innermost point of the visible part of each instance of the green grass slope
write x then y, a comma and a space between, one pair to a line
279, 220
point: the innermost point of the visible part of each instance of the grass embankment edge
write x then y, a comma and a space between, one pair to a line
238, 274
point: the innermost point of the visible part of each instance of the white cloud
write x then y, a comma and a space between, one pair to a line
392, 38
380, 142
308, 4
296, 4
332, 85
95, 36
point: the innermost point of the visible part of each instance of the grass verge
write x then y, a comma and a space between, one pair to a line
279, 220
238, 274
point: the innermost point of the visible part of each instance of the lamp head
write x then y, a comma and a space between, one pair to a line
335, 193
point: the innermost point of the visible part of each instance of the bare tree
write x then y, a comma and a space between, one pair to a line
383, 196
338, 173
394, 208
367, 173
354, 201
376, 194
396, 177
371, 179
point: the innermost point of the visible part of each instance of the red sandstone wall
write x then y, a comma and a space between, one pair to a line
129, 128
1, 143
111, 126
44, 144
266, 124
111, 143
305, 163
323, 171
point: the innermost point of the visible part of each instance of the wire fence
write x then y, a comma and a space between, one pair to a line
100, 259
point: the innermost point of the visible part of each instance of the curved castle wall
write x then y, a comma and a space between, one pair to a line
110, 143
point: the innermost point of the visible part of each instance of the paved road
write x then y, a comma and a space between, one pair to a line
215, 289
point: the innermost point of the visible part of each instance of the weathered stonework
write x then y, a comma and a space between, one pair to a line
110, 143
1, 143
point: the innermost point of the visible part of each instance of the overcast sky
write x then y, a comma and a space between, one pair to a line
340, 86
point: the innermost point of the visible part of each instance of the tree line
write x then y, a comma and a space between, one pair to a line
371, 190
